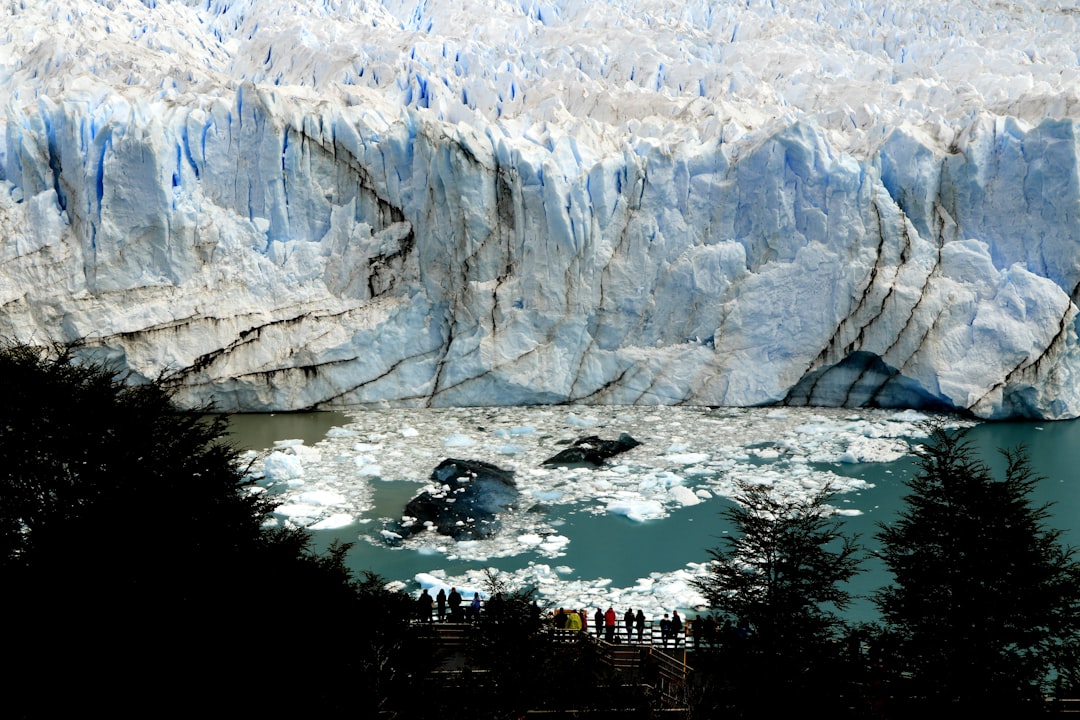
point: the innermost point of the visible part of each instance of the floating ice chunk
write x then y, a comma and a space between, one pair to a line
636, 510
280, 466
340, 432
408, 432
390, 534
684, 495
333, 522
427, 581
458, 440
687, 458
704, 494
368, 469
849, 512
909, 416
321, 497
530, 539
864, 449
299, 513
582, 421
554, 543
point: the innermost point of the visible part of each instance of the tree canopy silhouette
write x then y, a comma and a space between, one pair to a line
138, 569
778, 580
984, 607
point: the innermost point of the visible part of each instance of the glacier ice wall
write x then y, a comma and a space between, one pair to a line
284, 206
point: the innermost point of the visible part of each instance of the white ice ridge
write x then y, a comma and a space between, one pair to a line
294, 204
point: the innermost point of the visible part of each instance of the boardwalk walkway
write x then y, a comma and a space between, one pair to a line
645, 662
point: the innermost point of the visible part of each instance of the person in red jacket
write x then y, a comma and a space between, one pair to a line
609, 625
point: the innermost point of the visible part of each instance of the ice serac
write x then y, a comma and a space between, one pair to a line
314, 204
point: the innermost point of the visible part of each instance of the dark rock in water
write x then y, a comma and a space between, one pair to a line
592, 450
466, 504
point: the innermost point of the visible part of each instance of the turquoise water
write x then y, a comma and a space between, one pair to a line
612, 546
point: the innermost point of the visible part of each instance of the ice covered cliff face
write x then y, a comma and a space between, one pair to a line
297, 204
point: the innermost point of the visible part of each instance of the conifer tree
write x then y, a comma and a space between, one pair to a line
139, 575
779, 582
984, 607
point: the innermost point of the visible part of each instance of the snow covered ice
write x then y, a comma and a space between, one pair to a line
334, 203
688, 456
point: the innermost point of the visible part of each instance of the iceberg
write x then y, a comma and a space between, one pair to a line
318, 204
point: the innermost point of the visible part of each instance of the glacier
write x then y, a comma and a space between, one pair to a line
342, 203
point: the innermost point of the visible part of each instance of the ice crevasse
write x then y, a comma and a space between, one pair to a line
316, 204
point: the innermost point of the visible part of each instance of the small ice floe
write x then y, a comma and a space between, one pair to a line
684, 495
280, 466
333, 522
878, 450
581, 421
636, 509
321, 497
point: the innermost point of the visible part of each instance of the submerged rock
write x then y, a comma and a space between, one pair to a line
592, 450
465, 505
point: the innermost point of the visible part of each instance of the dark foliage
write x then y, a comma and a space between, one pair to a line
984, 610
138, 575
777, 584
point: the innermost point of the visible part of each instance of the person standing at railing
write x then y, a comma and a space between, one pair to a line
676, 627
454, 601
423, 606
598, 620
665, 629
440, 604
609, 624
628, 621
474, 608
639, 621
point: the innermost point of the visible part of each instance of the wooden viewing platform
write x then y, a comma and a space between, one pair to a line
645, 663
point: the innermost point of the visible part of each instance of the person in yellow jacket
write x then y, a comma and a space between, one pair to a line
573, 621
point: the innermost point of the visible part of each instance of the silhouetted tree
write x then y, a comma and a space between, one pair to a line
984, 609
778, 582
139, 575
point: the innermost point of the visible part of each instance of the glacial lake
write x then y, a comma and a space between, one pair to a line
633, 533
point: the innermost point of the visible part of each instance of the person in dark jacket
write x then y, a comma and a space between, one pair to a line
440, 604
423, 607
454, 601
639, 623
598, 620
628, 621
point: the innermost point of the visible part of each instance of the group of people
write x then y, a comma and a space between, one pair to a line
606, 624
450, 607
447, 608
